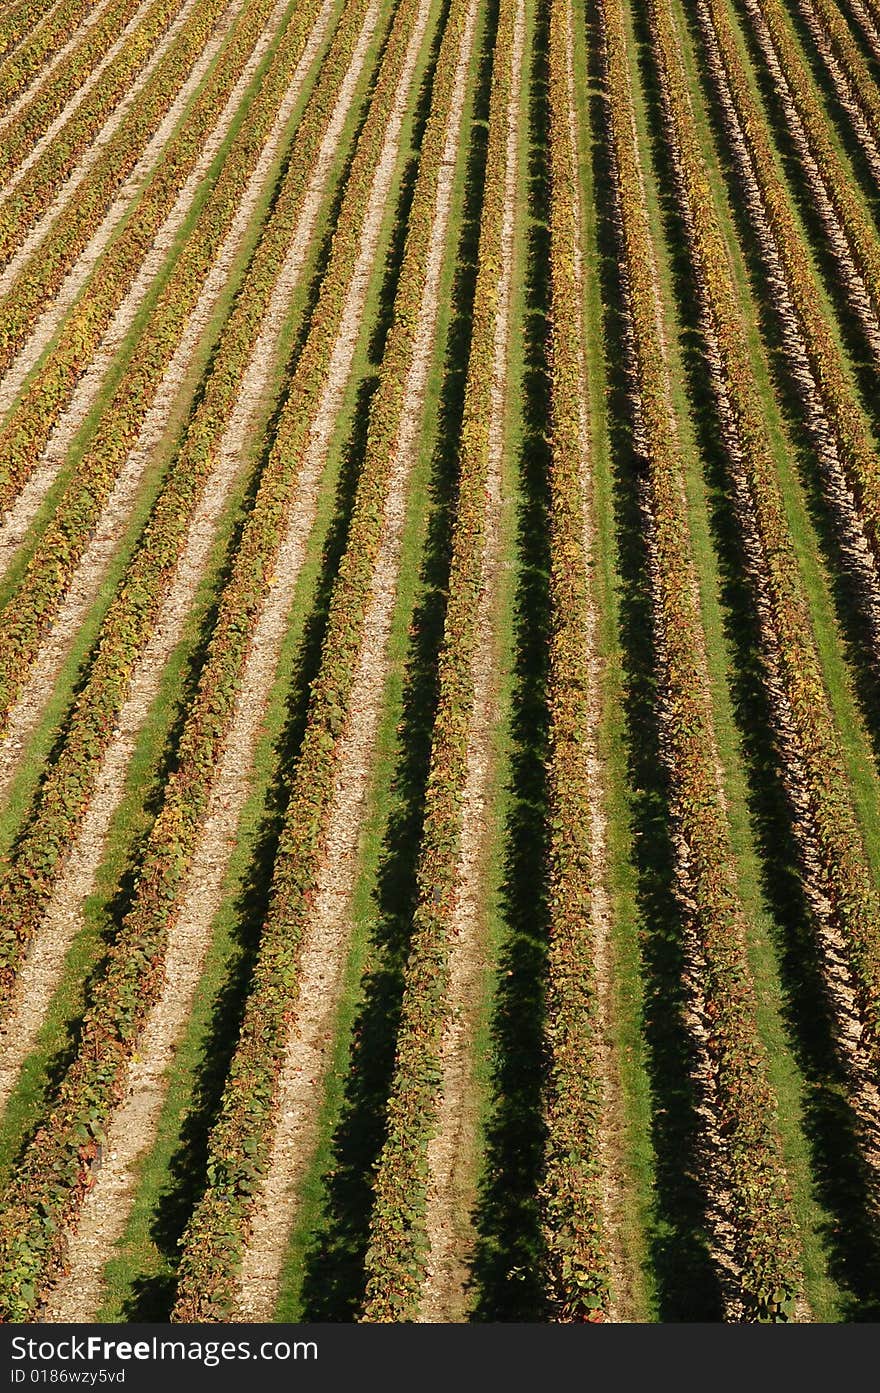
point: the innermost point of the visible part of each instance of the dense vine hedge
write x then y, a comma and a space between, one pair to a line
857, 450
26, 44
578, 1280
29, 612
50, 97
824, 817
862, 85
42, 274
860, 232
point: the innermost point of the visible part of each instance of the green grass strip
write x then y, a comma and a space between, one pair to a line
836, 174
28, 614
28, 426
43, 273
741, 1142
859, 456
825, 820
846, 50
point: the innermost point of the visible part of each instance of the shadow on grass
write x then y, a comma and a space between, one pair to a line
841, 122
844, 586
849, 323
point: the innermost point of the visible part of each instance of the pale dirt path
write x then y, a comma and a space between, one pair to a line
448, 1220
75, 100
19, 516
324, 952
40, 972
132, 1130
67, 191
11, 53
17, 36
38, 82
610, 1134
86, 582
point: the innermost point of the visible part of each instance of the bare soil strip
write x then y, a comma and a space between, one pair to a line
15, 32
11, 56
40, 972
91, 571
67, 192
80, 96
132, 1131
326, 940
451, 1151
45, 74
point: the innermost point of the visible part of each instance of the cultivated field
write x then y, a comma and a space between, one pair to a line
440, 660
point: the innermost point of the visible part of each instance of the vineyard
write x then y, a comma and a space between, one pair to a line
440, 660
